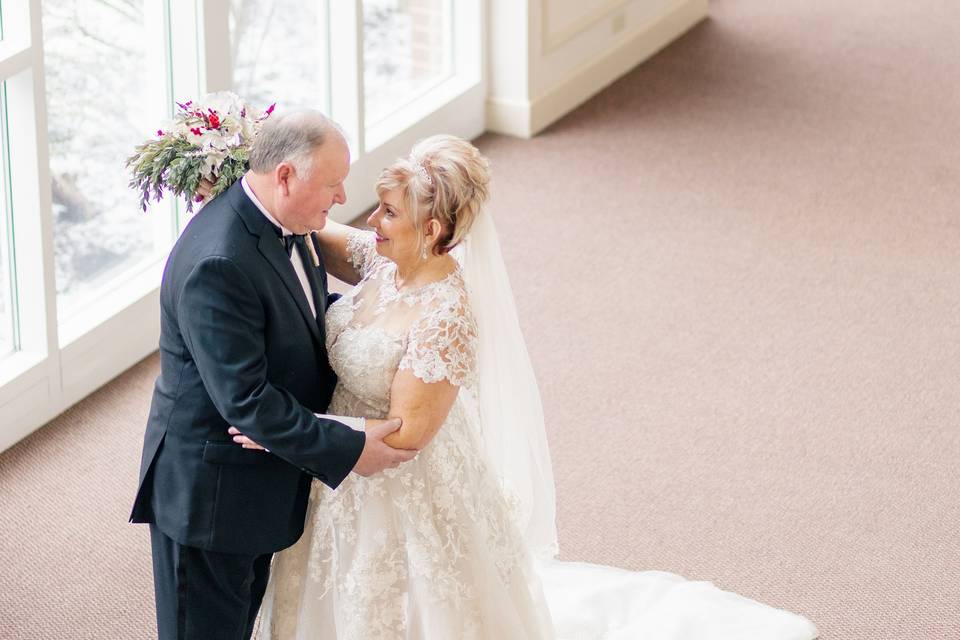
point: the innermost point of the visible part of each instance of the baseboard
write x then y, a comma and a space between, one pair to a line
509, 117
527, 118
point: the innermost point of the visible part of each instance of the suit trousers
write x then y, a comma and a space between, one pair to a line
205, 595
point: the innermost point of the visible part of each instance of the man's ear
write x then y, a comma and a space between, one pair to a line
281, 176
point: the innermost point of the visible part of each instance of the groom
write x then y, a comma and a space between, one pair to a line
242, 343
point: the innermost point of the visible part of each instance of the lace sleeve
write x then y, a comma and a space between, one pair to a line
442, 346
362, 251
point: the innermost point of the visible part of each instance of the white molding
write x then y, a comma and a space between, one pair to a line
50, 386
552, 40
216, 70
509, 117
28, 409
526, 118
109, 349
346, 47
14, 59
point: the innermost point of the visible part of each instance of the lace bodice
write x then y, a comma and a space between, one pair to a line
375, 330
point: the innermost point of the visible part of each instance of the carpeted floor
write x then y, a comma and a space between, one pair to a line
738, 269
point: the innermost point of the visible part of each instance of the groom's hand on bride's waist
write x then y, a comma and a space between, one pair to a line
243, 440
378, 455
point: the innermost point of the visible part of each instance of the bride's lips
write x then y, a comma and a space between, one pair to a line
379, 237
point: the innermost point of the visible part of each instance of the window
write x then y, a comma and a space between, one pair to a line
279, 53
406, 52
99, 77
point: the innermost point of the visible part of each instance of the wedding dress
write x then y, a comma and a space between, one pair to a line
440, 548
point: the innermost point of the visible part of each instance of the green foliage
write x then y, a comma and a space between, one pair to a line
169, 163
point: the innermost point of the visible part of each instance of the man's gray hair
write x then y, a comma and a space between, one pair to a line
292, 137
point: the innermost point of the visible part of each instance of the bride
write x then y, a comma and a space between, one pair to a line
459, 543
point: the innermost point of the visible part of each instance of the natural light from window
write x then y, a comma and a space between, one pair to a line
407, 50
97, 69
279, 53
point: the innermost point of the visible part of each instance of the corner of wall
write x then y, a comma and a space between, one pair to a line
527, 117
509, 117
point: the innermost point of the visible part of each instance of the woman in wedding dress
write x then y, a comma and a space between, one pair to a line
459, 543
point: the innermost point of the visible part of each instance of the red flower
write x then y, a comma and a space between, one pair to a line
196, 131
214, 119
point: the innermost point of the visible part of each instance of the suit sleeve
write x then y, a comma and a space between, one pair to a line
222, 323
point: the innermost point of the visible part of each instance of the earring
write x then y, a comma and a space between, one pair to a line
423, 254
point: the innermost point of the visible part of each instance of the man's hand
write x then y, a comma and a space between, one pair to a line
243, 440
377, 455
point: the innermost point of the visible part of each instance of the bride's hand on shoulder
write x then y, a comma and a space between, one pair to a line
204, 191
333, 245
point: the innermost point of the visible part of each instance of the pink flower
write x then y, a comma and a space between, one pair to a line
160, 132
270, 108
196, 131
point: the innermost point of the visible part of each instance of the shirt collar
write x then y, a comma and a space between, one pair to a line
263, 210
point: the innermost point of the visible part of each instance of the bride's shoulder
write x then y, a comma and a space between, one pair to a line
454, 295
362, 251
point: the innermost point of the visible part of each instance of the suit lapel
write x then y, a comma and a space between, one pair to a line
273, 251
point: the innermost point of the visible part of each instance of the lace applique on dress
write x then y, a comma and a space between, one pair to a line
442, 345
362, 251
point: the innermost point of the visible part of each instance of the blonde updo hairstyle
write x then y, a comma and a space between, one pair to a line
445, 178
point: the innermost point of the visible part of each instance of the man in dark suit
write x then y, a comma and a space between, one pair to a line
242, 343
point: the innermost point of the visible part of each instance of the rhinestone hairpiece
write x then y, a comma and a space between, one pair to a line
422, 172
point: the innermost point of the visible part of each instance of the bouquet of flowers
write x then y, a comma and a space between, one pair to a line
208, 141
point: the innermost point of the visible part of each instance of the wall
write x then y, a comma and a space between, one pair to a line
546, 57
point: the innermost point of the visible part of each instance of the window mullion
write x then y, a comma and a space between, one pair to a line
346, 76
217, 66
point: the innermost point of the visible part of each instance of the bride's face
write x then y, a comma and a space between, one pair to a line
397, 237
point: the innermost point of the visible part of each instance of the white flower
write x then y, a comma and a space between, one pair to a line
212, 159
223, 102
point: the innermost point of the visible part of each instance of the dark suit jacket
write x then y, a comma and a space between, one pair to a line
238, 346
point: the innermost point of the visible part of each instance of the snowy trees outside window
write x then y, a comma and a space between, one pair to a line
97, 72
406, 51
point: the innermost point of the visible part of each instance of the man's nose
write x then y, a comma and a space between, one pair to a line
341, 196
